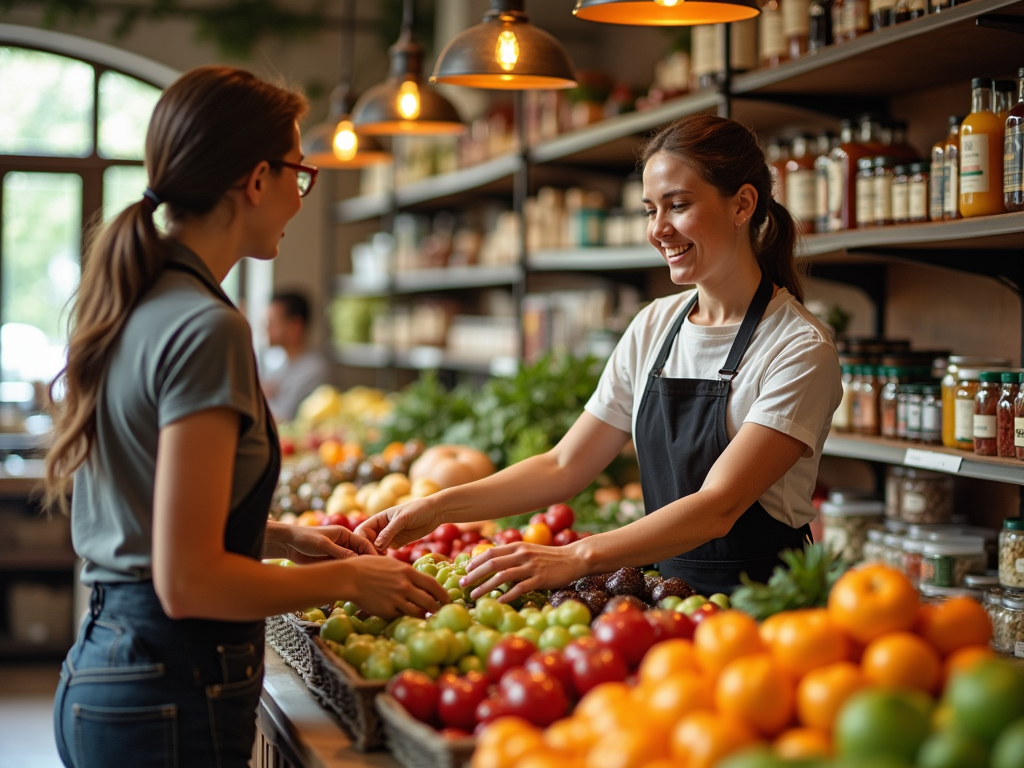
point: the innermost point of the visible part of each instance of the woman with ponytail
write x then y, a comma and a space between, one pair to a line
727, 391
174, 455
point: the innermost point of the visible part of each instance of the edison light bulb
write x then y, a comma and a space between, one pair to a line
346, 143
506, 52
409, 100
669, 3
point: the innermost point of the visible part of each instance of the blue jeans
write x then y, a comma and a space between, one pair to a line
144, 690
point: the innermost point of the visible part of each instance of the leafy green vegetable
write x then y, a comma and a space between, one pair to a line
811, 573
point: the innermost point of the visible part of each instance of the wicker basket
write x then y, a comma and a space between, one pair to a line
349, 695
416, 745
292, 638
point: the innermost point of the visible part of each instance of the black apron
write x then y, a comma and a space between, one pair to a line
680, 433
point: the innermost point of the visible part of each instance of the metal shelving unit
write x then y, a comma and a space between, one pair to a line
424, 280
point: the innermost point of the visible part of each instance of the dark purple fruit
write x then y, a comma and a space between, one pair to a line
594, 599
588, 583
627, 581
671, 587
561, 596
650, 582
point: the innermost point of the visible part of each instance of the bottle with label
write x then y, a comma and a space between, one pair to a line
773, 42
868, 398
707, 45
910, 9
838, 21
981, 155
704, 50
986, 400
937, 185
865, 192
856, 18
800, 183
1013, 152
842, 179
743, 42
950, 382
1004, 96
963, 408
881, 193
1018, 418
951, 159
883, 13
941, 5
796, 26
825, 143
777, 154
1004, 414
918, 187
819, 30
900, 195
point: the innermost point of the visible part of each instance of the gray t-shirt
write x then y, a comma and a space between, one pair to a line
182, 351
295, 381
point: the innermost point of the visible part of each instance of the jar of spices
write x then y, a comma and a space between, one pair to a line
866, 401
845, 526
900, 195
893, 490
1008, 630
926, 497
914, 398
945, 563
1004, 414
881, 197
1011, 553
887, 405
993, 604
931, 414
985, 421
963, 423
913, 550
1018, 418
902, 397
864, 189
892, 551
856, 378
918, 186
874, 546
949, 387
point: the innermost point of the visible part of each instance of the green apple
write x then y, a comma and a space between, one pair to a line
336, 628
462, 558
530, 634
374, 625
579, 630
464, 643
454, 646
497, 594
720, 599
443, 573
378, 666
401, 658
571, 612
454, 617
670, 603
548, 608
428, 568
483, 641
427, 649
452, 582
554, 637
511, 622
427, 558
528, 611
457, 594
407, 627
691, 604
538, 621
469, 664
358, 652
350, 608
489, 612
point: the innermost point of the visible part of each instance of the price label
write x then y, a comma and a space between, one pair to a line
942, 462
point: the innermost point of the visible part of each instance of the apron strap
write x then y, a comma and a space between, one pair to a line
666, 347
758, 305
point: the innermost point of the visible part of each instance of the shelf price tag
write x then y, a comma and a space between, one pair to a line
942, 462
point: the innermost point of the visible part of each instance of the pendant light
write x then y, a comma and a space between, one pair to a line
665, 13
505, 52
405, 104
334, 143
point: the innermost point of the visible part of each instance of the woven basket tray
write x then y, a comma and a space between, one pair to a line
348, 695
417, 745
292, 638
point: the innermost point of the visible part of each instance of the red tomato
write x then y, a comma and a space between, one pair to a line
670, 624
456, 706
703, 612
538, 518
568, 536
627, 632
336, 518
399, 554
559, 517
416, 692
490, 709
537, 697
552, 662
602, 665
440, 547
446, 532
355, 519
580, 647
508, 536
470, 537
508, 653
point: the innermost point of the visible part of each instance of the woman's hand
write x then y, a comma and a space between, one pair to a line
531, 565
314, 544
389, 588
398, 526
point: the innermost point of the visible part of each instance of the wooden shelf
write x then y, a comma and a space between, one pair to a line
422, 280
596, 259
419, 359
38, 560
937, 458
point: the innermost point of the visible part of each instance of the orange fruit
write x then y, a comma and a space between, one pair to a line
508, 750
665, 762
631, 748
870, 601
666, 659
823, 691
330, 452
757, 690
604, 697
351, 450
963, 659
503, 728
701, 739
902, 660
392, 451
804, 640
770, 626
538, 533
678, 695
723, 637
547, 758
797, 743
954, 624
571, 736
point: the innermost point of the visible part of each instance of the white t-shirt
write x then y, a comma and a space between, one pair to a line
788, 380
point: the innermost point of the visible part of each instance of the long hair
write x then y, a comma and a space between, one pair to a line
727, 155
209, 129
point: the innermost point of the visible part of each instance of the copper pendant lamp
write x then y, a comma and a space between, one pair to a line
405, 104
665, 13
505, 52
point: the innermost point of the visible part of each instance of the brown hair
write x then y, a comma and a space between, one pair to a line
727, 155
209, 129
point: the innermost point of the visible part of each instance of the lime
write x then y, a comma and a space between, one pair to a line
374, 625
530, 634
554, 637
952, 749
378, 666
1009, 749
881, 723
454, 617
336, 628
985, 699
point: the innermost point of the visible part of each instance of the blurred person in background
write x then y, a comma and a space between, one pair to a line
303, 369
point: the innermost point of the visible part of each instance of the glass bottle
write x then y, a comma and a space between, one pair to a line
743, 41
865, 192
914, 402
819, 32
937, 186
796, 23
800, 183
986, 400
881, 193
842, 179
941, 5
900, 195
949, 388
1013, 152
899, 147
1004, 96
856, 420
1018, 418
910, 9
777, 154
868, 397
951, 174
963, 424
981, 155
825, 142
1004, 414
773, 41
838, 21
704, 49
883, 13
856, 18
931, 414
887, 403
918, 187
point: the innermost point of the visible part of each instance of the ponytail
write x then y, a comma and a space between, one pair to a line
775, 246
209, 129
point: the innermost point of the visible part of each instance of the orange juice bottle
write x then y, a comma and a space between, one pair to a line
981, 155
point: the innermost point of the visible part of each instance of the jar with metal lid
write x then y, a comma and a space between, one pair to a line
926, 497
845, 526
865, 404
893, 490
963, 422
914, 399
985, 416
986, 581
945, 563
1011, 553
881, 198
1008, 628
887, 403
874, 546
864, 189
931, 414
918, 186
892, 551
902, 400
933, 594
949, 386
993, 604
913, 551
900, 195
1008, 392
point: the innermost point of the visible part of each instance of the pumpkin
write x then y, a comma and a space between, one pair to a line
451, 465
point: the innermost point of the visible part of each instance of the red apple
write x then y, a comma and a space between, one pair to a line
627, 632
448, 532
566, 536
708, 609
559, 517
337, 518
355, 519
669, 624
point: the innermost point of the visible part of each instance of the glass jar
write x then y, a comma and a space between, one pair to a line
913, 550
949, 386
845, 526
1008, 629
874, 546
945, 563
1018, 419
1011, 553
932, 594
1004, 415
881, 195
893, 491
931, 414
902, 398
918, 186
892, 551
985, 422
926, 497
986, 580
866, 402
887, 404
993, 604
963, 423
914, 399
864, 190
900, 195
